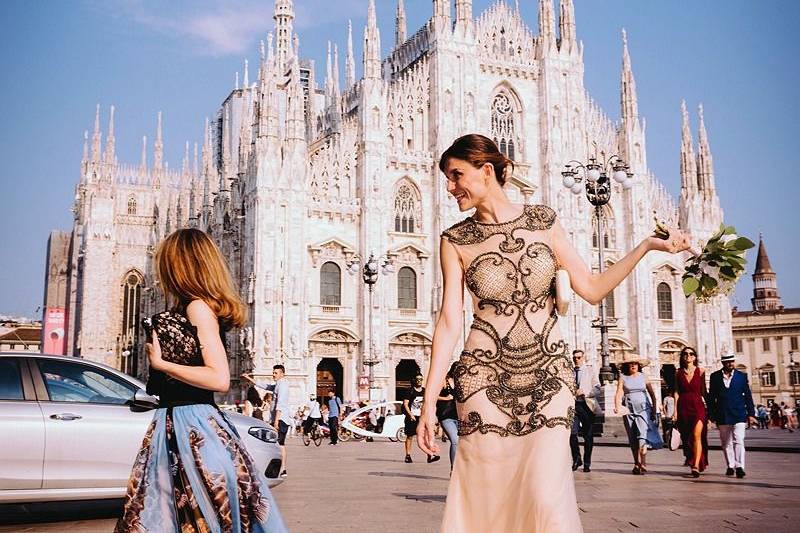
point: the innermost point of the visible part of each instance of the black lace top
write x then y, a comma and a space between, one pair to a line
180, 345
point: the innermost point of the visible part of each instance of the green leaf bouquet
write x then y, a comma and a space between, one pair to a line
716, 269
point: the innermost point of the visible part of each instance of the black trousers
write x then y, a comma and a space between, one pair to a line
584, 420
333, 425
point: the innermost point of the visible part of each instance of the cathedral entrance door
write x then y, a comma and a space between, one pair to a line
404, 374
330, 377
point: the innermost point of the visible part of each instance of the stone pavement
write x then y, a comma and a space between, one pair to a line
365, 487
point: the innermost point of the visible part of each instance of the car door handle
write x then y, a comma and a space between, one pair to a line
66, 416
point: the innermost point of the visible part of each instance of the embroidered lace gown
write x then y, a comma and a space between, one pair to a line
514, 385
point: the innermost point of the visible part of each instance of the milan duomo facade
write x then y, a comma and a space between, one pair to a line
299, 181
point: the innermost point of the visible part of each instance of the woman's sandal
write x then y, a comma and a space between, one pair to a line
637, 471
695, 472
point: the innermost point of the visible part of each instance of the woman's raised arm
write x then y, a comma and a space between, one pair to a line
593, 287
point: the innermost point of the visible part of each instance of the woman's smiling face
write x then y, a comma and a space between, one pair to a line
467, 184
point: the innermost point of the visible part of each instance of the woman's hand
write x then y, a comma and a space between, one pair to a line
426, 432
153, 350
616, 410
677, 241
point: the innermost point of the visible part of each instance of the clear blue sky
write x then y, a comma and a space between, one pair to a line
58, 59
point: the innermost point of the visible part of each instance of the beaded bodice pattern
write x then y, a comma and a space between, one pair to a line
512, 355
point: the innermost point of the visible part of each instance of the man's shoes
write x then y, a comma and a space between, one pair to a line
433, 458
408, 459
284, 474
729, 471
576, 464
587, 468
740, 472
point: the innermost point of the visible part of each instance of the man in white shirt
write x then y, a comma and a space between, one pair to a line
587, 387
281, 416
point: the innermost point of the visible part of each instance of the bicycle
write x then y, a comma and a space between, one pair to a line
314, 435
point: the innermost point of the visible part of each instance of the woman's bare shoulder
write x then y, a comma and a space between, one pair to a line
199, 311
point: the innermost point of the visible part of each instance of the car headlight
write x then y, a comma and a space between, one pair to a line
264, 434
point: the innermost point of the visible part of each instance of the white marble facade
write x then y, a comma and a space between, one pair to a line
296, 176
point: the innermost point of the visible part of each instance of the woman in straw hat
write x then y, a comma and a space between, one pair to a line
635, 393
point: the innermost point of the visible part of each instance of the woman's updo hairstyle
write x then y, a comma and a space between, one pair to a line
478, 150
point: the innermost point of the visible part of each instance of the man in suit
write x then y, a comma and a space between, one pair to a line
730, 406
587, 388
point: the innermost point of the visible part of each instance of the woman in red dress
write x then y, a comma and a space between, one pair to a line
691, 416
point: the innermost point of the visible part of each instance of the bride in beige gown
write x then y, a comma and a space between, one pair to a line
514, 380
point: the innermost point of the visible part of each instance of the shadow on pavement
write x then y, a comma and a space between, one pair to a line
427, 498
25, 513
401, 474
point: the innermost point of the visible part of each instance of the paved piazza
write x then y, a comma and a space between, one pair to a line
365, 487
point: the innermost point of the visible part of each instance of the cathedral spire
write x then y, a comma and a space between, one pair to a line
284, 21
547, 27
463, 11
566, 26
85, 147
350, 63
705, 163
400, 24
97, 136
336, 69
372, 45
328, 77
158, 148
109, 155
185, 162
143, 159
688, 165
195, 170
765, 282
246, 75
629, 103
441, 13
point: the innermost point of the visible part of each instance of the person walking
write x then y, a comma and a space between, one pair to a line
514, 382
691, 414
334, 413
193, 472
446, 413
763, 417
280, 415
636, 394
730, 406
587, 388
412, 408
668, 412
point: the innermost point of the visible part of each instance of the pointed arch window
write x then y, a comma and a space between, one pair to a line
330, 284
131, 205
611, 307
406, 209
407, 288
664, 297
502, 122
131, 305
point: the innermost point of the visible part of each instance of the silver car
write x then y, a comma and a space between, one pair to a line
70, 429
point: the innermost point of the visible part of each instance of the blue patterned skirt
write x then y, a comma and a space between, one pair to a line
194, 475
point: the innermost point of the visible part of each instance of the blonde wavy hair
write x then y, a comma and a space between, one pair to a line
190, 267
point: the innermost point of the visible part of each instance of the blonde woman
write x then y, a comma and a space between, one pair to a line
515, 380
192, 472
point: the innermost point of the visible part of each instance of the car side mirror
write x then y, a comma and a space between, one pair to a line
143, 401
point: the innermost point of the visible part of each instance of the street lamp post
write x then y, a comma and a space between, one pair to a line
369, 274
593, 177
794, 366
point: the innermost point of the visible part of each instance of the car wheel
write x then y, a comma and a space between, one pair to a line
401, 435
